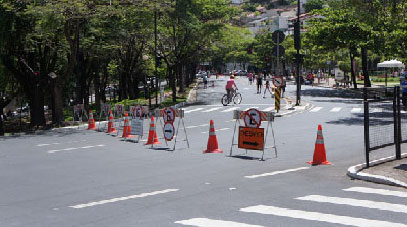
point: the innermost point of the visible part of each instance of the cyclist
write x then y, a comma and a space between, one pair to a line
229, 86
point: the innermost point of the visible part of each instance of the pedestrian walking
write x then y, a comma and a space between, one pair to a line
250, 76
205, 81
259, 81
267, 88
283, 85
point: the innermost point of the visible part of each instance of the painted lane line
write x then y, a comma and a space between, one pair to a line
193, 110
142, 195
222, 129
268, 109
316, 109
356, 203
74, 148
253, 107
41, 145
336, 109
192, 127
356, 110
212, 109
277, 172
204, 125
230, 109
246, 88
403, 111
377, 191
377, 110
321, 217
205, 222
231, 120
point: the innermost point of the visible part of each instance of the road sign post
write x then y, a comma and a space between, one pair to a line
169, 116
277, 98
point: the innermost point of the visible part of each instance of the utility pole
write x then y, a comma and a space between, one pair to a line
297, 45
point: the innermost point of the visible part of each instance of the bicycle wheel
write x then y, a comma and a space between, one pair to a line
225, 100
237, 99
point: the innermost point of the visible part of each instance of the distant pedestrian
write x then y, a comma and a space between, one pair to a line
205, 81
267, 88
259, 82
250, 76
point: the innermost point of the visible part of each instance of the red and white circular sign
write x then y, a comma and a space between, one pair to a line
169, 131
169, 114
278, 81
252, 118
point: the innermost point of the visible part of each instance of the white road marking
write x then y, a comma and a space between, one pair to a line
193, 110
356, 110
246, 88
74, 148
336, 109
210, 110
356, 203
254, 107
377, 110
205, 222
377, 191
231, 120
403, 111
46, 144
321, 217
222, 129
123, 198
316, 109
268, 109
230, 109
204, 125
192, 127
277, 172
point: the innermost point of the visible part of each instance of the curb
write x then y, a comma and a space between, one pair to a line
288, 107
355, 172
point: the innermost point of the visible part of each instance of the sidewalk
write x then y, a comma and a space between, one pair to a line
383, 171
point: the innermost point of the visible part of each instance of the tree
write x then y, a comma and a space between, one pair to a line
313, 5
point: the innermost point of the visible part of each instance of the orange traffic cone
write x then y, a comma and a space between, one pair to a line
319, 152
127, 128
212, 146
152, 134
110, 126
91, 122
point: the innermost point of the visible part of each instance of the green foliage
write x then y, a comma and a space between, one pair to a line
313, 5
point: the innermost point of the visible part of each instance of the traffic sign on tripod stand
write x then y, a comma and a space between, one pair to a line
252, 118
169, 131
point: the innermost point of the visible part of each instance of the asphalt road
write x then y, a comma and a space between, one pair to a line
71, 177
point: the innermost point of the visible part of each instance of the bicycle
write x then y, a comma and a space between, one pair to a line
236, 96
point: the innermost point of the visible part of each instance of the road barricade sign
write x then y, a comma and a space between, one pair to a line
136, 127
169, 114
252, 118
251, 138
169, 131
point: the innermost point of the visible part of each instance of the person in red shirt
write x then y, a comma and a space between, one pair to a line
229, 86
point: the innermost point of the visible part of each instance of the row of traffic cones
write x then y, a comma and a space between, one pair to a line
212, 145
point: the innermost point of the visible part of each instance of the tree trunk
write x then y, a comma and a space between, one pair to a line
171, 78
131, 92
98, 91
37, 107
364, 67
57, 114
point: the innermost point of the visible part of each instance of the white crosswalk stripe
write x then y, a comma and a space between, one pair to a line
356, 110
210, 110
336, 109
356, 202
377, 110
316, 109
330, 218
321, 217
377, 191
230, 109
205, 222
193, 110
